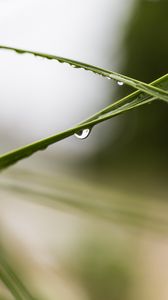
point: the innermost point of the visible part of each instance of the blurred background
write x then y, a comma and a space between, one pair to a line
85, 219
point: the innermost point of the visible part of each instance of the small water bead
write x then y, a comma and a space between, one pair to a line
120, 83
19, 51
75, 66
83, 133
39, 57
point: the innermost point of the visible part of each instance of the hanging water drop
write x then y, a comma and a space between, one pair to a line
83, 133
39, 57
120, 83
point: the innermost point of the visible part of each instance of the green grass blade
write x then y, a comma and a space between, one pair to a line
151, 90
130, 102
11, 280
8, 282
135, 99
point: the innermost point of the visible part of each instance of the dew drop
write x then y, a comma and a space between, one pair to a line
120, 83
108, 78
19, 51
39, 57
44, 147
83, 133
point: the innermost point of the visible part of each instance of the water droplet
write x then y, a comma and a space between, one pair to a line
74, 66
44, 147
39, 57
19, 51
120, 83
108, 78
83, 133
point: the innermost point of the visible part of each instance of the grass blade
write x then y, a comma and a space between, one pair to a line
130, 102
135, 99
151, 90
8, 282
11, 280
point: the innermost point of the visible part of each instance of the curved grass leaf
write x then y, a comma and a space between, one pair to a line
9, 284
132, 100
11, 280
8, 281
151, 90
127, 103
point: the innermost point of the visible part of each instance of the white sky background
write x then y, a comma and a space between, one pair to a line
40, 97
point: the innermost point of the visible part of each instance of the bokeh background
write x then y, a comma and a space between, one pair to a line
85, 219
